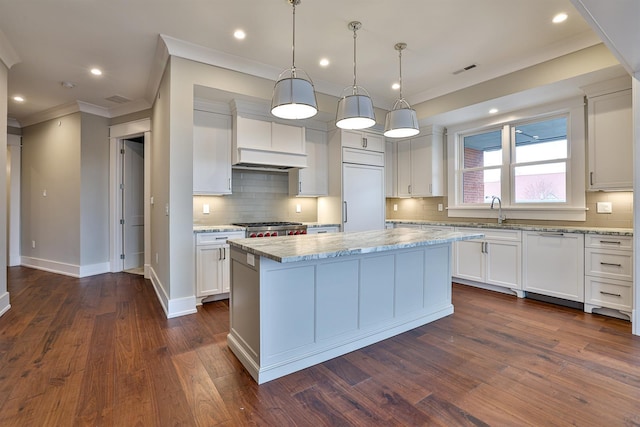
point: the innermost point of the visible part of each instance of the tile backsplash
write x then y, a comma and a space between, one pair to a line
427, 209
257, 196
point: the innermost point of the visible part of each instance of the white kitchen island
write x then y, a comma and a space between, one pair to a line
298, 301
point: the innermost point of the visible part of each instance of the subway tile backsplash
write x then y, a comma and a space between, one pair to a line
427, 209
257, 196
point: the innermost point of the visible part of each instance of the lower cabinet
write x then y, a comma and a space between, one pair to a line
554, 264
323, 229
608, 269
495, 260
212, 263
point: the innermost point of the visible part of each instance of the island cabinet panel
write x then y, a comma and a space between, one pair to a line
288, 306
337, 295
245, 319
409, 295
376, 290
437, 262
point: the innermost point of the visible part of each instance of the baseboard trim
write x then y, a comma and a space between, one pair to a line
172, 307
78, 271
5, 304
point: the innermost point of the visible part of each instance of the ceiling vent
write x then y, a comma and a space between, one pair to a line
118, 99
467, 68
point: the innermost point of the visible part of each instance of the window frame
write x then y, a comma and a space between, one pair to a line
573, 209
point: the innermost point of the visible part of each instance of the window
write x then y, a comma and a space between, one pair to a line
535, 164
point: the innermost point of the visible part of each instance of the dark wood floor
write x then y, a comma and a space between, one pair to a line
98, 351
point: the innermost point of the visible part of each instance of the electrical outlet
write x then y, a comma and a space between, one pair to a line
156, 257
33, 244
440, 207
604, 207
298, 208
395, 207
205, 208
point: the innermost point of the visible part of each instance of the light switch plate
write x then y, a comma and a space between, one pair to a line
205, 208
604, 207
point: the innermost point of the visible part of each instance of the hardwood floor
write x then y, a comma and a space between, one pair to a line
99, 351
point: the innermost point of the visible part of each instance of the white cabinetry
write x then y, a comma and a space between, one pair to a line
212, 263
420, 165
356, 183
495, 260
610, 137
608, 269
390, 170
554, 264
323, 229
363, 140
313, 180
211, 153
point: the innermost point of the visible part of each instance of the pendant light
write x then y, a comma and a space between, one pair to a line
355, 109
293, 95
402, 120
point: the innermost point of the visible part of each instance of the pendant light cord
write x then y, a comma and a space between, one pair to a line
355, 86
400, 81
293, 46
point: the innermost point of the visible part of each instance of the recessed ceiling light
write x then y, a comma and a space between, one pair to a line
96, 71
395, 86
493, 111
239, 34
324, 62
18, 98
561, 17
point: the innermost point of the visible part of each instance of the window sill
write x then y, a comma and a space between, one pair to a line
564, 213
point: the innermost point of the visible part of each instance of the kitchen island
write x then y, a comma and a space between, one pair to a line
298, 301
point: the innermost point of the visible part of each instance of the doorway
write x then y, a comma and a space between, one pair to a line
132, 203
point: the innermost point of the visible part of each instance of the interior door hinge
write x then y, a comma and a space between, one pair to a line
122, 151
122, 221
121, 256
122, 186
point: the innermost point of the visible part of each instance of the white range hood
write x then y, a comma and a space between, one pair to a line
261, 143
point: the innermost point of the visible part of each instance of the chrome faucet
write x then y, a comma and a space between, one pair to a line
500, 217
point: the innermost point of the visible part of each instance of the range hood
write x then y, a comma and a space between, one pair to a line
262, 144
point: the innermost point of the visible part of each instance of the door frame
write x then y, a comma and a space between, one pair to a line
117, 134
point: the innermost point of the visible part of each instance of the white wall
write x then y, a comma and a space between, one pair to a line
13, 199
4, 295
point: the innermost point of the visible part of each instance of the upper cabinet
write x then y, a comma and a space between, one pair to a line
610, 136
312, 181
211, 153
363, 140
419, 165
390, 184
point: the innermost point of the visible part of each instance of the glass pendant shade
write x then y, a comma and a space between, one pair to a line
293, 94
401, 121
355, 108
293, 97
355, 111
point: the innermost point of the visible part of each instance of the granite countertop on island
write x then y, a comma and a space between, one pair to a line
524, 227
311, 247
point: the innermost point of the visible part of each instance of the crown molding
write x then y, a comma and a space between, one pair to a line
8, 55
13, 123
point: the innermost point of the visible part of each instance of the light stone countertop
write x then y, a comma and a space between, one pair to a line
216, 228
523, 227
320, 246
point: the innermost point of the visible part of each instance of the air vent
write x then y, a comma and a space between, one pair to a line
118, 99
467, 68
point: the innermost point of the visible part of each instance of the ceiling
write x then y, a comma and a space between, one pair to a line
59, 41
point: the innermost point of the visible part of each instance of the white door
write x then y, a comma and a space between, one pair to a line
363, 207
133, 204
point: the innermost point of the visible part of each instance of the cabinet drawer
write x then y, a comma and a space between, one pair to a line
609, 242
608, 293
609, 263
218, 237
493, 234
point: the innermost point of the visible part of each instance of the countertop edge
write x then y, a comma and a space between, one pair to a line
523, 227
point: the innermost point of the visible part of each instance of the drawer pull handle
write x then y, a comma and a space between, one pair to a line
610, 293
610, 242
221, 238
611, 264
